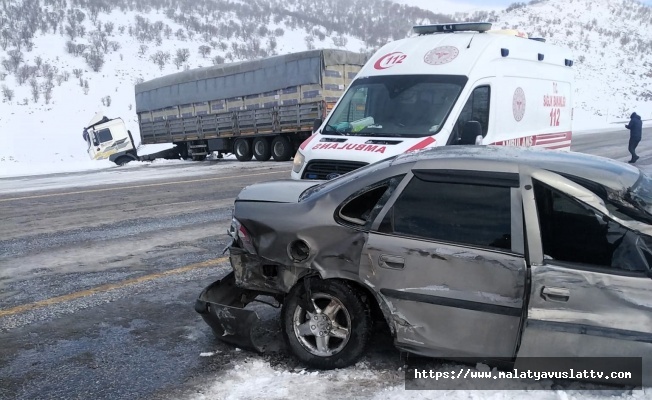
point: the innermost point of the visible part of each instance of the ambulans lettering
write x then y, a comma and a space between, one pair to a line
389, 60
520, 142
350, 146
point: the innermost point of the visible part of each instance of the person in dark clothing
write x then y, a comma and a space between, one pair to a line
635, 127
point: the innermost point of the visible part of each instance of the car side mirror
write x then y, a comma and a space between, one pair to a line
316, 124
471, 133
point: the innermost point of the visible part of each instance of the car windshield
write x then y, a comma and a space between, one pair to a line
395, 106
348, 177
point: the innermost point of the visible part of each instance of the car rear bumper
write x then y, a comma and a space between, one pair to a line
221, 305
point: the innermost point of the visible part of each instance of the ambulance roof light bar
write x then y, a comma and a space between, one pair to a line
458, 27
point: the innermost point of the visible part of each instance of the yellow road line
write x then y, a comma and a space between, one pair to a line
108, 287
140, 186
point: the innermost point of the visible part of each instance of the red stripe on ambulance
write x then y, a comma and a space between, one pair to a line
424, 143
305, 142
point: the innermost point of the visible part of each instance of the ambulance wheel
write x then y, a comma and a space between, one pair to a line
242, 150
336, 334
262, 149
281, 149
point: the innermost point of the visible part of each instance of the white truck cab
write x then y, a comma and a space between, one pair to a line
109, 139
450, 84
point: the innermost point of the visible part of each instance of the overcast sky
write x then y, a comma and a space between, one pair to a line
451, 6
505, 3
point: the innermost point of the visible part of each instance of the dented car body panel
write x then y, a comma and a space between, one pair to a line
468, 250
439, 282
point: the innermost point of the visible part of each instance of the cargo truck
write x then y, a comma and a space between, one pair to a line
262, 108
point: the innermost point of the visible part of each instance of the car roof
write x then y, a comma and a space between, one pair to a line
605, 171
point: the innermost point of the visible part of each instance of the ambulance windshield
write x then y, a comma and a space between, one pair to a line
395, 106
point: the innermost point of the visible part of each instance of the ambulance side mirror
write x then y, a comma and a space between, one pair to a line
316, 124
471, 133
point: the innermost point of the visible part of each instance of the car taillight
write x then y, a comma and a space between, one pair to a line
242, 236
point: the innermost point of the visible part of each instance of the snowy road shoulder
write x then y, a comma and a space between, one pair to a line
254, 379
136, 172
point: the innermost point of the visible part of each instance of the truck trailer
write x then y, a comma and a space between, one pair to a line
262, 108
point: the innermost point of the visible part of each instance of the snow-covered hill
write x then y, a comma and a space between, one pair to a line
453, 7
612, 43
61, 61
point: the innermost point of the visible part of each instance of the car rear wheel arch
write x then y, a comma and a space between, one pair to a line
354, 315
379, 311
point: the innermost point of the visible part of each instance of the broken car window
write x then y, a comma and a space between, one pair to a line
629, 205
366, 204
641, 194
572, 231
453, 212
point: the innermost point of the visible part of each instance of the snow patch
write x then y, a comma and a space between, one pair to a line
255, 379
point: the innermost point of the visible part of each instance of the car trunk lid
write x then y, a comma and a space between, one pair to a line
286, 191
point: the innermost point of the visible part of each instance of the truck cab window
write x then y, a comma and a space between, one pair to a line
475, 109
574, 232
104, 135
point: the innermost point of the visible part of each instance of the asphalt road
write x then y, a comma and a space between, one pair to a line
98, 281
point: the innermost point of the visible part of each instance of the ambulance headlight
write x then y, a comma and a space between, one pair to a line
299, 159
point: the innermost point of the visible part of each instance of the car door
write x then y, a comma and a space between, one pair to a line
591, 292
446, 256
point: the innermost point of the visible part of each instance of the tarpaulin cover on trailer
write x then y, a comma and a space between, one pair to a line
240, 79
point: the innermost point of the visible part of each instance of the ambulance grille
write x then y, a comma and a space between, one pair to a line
326, 169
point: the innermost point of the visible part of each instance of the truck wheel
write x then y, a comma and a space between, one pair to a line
199, 158
281, 148
123, 160
242, 150
336, 335
262, 149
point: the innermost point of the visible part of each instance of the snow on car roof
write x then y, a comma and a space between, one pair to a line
608, 172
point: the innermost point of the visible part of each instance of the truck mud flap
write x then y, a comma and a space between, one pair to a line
221, 305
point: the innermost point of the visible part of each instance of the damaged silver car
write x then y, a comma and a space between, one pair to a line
465, 251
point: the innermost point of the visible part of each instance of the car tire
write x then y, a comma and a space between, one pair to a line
344, 327
242, 150
281, 149
262, 149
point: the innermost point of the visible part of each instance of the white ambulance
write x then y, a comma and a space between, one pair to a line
447, 85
